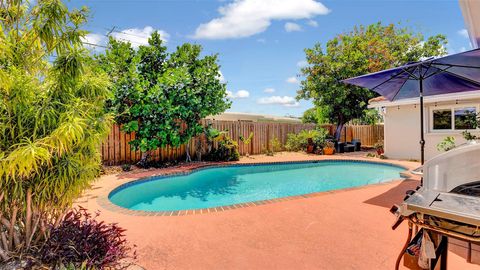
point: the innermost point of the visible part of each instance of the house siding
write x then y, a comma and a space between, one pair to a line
402, 131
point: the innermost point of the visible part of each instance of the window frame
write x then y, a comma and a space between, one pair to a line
452, 109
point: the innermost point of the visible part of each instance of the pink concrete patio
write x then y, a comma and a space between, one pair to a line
348, 229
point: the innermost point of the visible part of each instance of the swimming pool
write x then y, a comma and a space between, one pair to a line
229, 185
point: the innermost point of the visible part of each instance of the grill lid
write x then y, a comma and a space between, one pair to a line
469, 189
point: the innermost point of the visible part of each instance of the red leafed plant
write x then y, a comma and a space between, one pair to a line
81, 240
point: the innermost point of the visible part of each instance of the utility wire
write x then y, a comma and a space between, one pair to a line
95, 45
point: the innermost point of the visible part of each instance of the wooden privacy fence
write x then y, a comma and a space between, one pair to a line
367, 134
116, 150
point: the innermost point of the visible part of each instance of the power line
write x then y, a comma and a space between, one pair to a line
93, 44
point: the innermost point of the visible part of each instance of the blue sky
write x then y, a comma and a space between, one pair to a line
260, 42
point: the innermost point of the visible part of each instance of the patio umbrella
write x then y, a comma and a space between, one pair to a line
449, 74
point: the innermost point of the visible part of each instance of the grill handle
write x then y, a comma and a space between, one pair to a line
417, 171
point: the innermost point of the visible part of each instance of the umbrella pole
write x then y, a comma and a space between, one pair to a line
422, 138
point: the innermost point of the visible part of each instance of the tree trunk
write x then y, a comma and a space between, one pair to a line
198, 149
28, 218
187, 151
11, 231
143, 162
338, 131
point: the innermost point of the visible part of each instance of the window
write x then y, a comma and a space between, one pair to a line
457, 117
465, 118
442, 119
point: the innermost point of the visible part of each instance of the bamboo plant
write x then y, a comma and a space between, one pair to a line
52, 119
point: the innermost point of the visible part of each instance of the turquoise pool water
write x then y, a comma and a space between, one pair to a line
220, 186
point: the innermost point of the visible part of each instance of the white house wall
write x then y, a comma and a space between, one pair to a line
402, 131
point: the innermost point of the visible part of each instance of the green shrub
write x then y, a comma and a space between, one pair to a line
126, 167
447, 144
276, 145
295, 143
227, 150
299, 142
469, 136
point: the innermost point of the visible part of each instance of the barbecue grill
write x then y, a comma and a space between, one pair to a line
448, 202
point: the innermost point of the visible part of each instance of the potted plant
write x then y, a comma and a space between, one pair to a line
329, 148
379, 147
471, 139
310, 145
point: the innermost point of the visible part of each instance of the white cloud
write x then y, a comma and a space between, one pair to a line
238, 94
286, 101
312, 23
93, 38
293, 80
220, 77
292, 27
262, 40
302, 63
244, 18
463, 33
269, 90
137, 36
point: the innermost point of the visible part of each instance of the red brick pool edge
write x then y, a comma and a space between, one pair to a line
103, 199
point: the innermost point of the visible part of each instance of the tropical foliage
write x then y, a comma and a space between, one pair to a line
299, 142
51, 119
447, 144
246, 141
226, 150
470, 120
363, 50
80, 240
275, 145
162, 96
314, 116
369, 117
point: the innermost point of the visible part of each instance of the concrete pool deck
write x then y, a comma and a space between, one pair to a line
345, 229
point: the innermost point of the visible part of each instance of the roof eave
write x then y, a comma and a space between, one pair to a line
427, 99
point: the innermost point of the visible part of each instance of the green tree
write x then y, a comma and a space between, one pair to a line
314, 115
310, 116
52, 119
163, 96
363, 50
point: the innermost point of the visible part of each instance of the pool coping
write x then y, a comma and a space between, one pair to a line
104, 199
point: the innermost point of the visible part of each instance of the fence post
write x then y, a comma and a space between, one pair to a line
268, 136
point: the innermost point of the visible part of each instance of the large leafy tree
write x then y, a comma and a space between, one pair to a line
363, 50
163, 96
314, 115
52, 119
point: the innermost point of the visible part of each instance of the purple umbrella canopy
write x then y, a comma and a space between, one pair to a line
434, 76
449, 74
